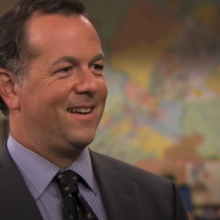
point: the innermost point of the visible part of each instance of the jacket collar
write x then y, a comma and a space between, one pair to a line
118, 193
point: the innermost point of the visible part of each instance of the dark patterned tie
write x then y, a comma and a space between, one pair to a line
74, 205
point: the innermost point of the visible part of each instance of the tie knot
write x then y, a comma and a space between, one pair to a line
67, 182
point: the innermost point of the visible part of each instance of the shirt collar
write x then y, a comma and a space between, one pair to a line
38, 172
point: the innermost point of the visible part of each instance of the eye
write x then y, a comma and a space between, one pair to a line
65, 70
98, 67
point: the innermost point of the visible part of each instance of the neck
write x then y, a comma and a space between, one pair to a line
60, 159
60, 155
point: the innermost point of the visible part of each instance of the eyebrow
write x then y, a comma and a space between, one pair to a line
98, 57
71, 59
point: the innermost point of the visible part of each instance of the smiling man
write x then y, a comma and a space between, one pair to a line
53, 89
63, 94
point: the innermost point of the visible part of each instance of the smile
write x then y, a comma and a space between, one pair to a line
80, 110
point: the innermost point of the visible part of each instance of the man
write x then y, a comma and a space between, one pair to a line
53, 89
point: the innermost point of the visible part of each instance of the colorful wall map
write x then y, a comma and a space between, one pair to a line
163, 75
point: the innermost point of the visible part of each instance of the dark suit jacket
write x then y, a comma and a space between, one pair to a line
128, 193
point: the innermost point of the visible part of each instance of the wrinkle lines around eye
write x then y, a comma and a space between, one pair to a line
48, 80
51, 82
53, 78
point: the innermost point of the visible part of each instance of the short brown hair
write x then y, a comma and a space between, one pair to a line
14, 51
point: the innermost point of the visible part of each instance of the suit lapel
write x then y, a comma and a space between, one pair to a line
16, 201
118, 195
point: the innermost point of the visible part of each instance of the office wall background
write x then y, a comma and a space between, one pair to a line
163, 74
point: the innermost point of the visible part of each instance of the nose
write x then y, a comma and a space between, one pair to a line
86, 82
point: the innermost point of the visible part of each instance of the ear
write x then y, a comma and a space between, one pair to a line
8, 84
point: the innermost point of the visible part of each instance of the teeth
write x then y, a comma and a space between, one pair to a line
80, 110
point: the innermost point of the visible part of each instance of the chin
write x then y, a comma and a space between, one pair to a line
82, 143
80, 139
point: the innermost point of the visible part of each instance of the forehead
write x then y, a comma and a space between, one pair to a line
49, 31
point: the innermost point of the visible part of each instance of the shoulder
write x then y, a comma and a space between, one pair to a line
127, 171
150, 190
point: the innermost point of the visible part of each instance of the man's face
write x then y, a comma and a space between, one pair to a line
63, 98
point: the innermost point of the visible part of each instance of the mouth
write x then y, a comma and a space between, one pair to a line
82, 111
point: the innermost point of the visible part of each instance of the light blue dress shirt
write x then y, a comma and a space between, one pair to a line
38, 174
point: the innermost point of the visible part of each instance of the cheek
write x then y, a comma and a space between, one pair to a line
35, 100
53, 93
28, 98
104, 92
